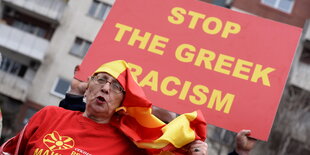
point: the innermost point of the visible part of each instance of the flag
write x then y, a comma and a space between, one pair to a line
142, 127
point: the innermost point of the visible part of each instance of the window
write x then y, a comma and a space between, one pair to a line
30, 28
10, 66
283, 5
61, 87
80, 47
222, 3
27, 23
99, 10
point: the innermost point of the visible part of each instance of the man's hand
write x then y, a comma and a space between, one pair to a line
78, 87
244, 143
198, 147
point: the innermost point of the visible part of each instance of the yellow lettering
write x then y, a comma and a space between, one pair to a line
262, 73
151, 79
224, 64
75, 153
37, 151
184, 90
164, 85
206, 25
240, 67
46, 152
195, 17
216, 98
210, 25
205, 56
143, 39
172, 86
200, 91
221, 61
232, 28
156, 43
188, 56
135, 71
177, 17
121, 31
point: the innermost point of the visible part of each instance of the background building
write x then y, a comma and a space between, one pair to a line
41, 42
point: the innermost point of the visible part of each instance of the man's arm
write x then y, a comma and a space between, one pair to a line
74, 98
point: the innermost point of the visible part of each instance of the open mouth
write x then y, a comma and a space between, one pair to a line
101, 99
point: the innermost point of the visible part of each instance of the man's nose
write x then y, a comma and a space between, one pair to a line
106, 87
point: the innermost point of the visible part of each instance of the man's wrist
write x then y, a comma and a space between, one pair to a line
75, 92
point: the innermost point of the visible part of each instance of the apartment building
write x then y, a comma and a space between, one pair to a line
41, 42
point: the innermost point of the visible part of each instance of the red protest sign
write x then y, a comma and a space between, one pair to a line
190, 55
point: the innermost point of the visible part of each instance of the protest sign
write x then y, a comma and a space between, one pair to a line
190, 55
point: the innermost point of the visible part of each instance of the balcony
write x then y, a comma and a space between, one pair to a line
13, 86
23, 42
51, 10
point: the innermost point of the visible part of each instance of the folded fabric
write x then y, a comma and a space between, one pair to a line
145, 129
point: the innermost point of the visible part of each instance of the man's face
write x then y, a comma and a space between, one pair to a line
103, 96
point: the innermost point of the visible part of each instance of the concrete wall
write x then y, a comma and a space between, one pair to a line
58, 62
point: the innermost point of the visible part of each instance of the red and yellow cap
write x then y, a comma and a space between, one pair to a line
141, 126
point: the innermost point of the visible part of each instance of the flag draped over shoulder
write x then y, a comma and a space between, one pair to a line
145, 129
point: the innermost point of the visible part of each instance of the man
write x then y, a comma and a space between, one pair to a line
74, 101
116, 120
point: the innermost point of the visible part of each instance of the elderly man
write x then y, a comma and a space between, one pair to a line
74, 101
116, 120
